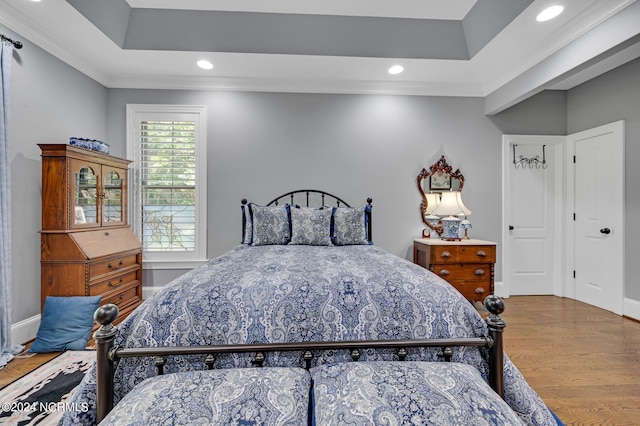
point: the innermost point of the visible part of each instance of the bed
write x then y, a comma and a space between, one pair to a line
306, 288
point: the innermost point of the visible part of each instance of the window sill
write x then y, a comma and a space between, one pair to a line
173, 264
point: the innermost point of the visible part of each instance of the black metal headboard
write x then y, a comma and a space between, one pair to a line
321, 199
296, 195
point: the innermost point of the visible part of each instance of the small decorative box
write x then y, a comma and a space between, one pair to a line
92, 144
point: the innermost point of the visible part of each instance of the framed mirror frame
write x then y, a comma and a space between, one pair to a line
445, 176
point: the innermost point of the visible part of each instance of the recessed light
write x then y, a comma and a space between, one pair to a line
549, 13
204, 64
396, 69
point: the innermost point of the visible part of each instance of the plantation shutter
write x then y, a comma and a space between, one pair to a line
168, 185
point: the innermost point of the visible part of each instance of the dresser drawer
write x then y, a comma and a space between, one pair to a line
464, 272
123, 298
444, 254
474, 291
476, 254
463, 254
112, 283
112, 265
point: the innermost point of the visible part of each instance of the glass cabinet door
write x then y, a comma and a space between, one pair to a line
86, 196
113, 190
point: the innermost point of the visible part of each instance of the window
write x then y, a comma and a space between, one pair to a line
168, 146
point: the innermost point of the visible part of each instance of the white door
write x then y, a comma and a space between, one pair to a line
532, 202
599, 216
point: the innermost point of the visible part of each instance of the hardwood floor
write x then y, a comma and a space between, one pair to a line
22, 364
584, 362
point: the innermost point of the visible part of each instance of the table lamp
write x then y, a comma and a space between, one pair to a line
433, 199
449, 208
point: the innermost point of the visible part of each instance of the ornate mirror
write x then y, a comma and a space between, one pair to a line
432, 182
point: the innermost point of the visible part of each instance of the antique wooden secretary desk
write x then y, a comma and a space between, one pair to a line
87, 246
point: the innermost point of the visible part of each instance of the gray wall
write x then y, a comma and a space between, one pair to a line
261, 145
611, 97
50, 102
542, 114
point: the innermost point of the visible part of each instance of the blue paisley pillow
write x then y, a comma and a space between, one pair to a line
381, 392
311, 226
236, 396
270, 225
247, 232
349, 226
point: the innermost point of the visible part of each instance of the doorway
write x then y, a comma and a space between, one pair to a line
563, 225
598, 223
533, 209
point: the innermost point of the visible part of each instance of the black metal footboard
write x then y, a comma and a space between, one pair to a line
107, 353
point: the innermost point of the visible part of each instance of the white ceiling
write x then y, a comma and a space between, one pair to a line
590, 37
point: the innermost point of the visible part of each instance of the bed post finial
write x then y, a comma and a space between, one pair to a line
104, 338
495, 305
368, 213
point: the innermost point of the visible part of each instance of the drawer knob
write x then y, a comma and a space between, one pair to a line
444, 272
479, 271
480, 290
111, 284
481, 253
110, 266
445, 254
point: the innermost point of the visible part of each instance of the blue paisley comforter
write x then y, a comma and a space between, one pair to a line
298, 293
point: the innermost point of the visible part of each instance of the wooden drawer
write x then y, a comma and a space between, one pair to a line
124, 298
444, 254
112, 265
113, 283
462, 254
477, 254
473, 290
464, 272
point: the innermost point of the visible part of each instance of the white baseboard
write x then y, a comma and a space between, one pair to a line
25, 330
631, 309
501, 289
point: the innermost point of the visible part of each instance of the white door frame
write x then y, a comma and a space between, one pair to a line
569, 224
556, 143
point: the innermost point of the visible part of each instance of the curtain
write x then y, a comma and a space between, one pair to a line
7, 350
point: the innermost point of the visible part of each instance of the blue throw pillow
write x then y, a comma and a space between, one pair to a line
271, 225
350, 225
311, 226
65, 324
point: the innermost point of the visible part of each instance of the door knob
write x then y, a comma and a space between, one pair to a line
510, 227
605, 231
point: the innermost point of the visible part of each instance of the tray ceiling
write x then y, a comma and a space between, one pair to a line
486, 48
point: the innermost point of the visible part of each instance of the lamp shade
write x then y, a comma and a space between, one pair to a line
465, 210
433, 199
449, 205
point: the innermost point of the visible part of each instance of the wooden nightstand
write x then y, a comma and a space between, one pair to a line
468, 265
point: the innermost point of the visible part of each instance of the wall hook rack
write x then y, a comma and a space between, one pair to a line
530, 162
